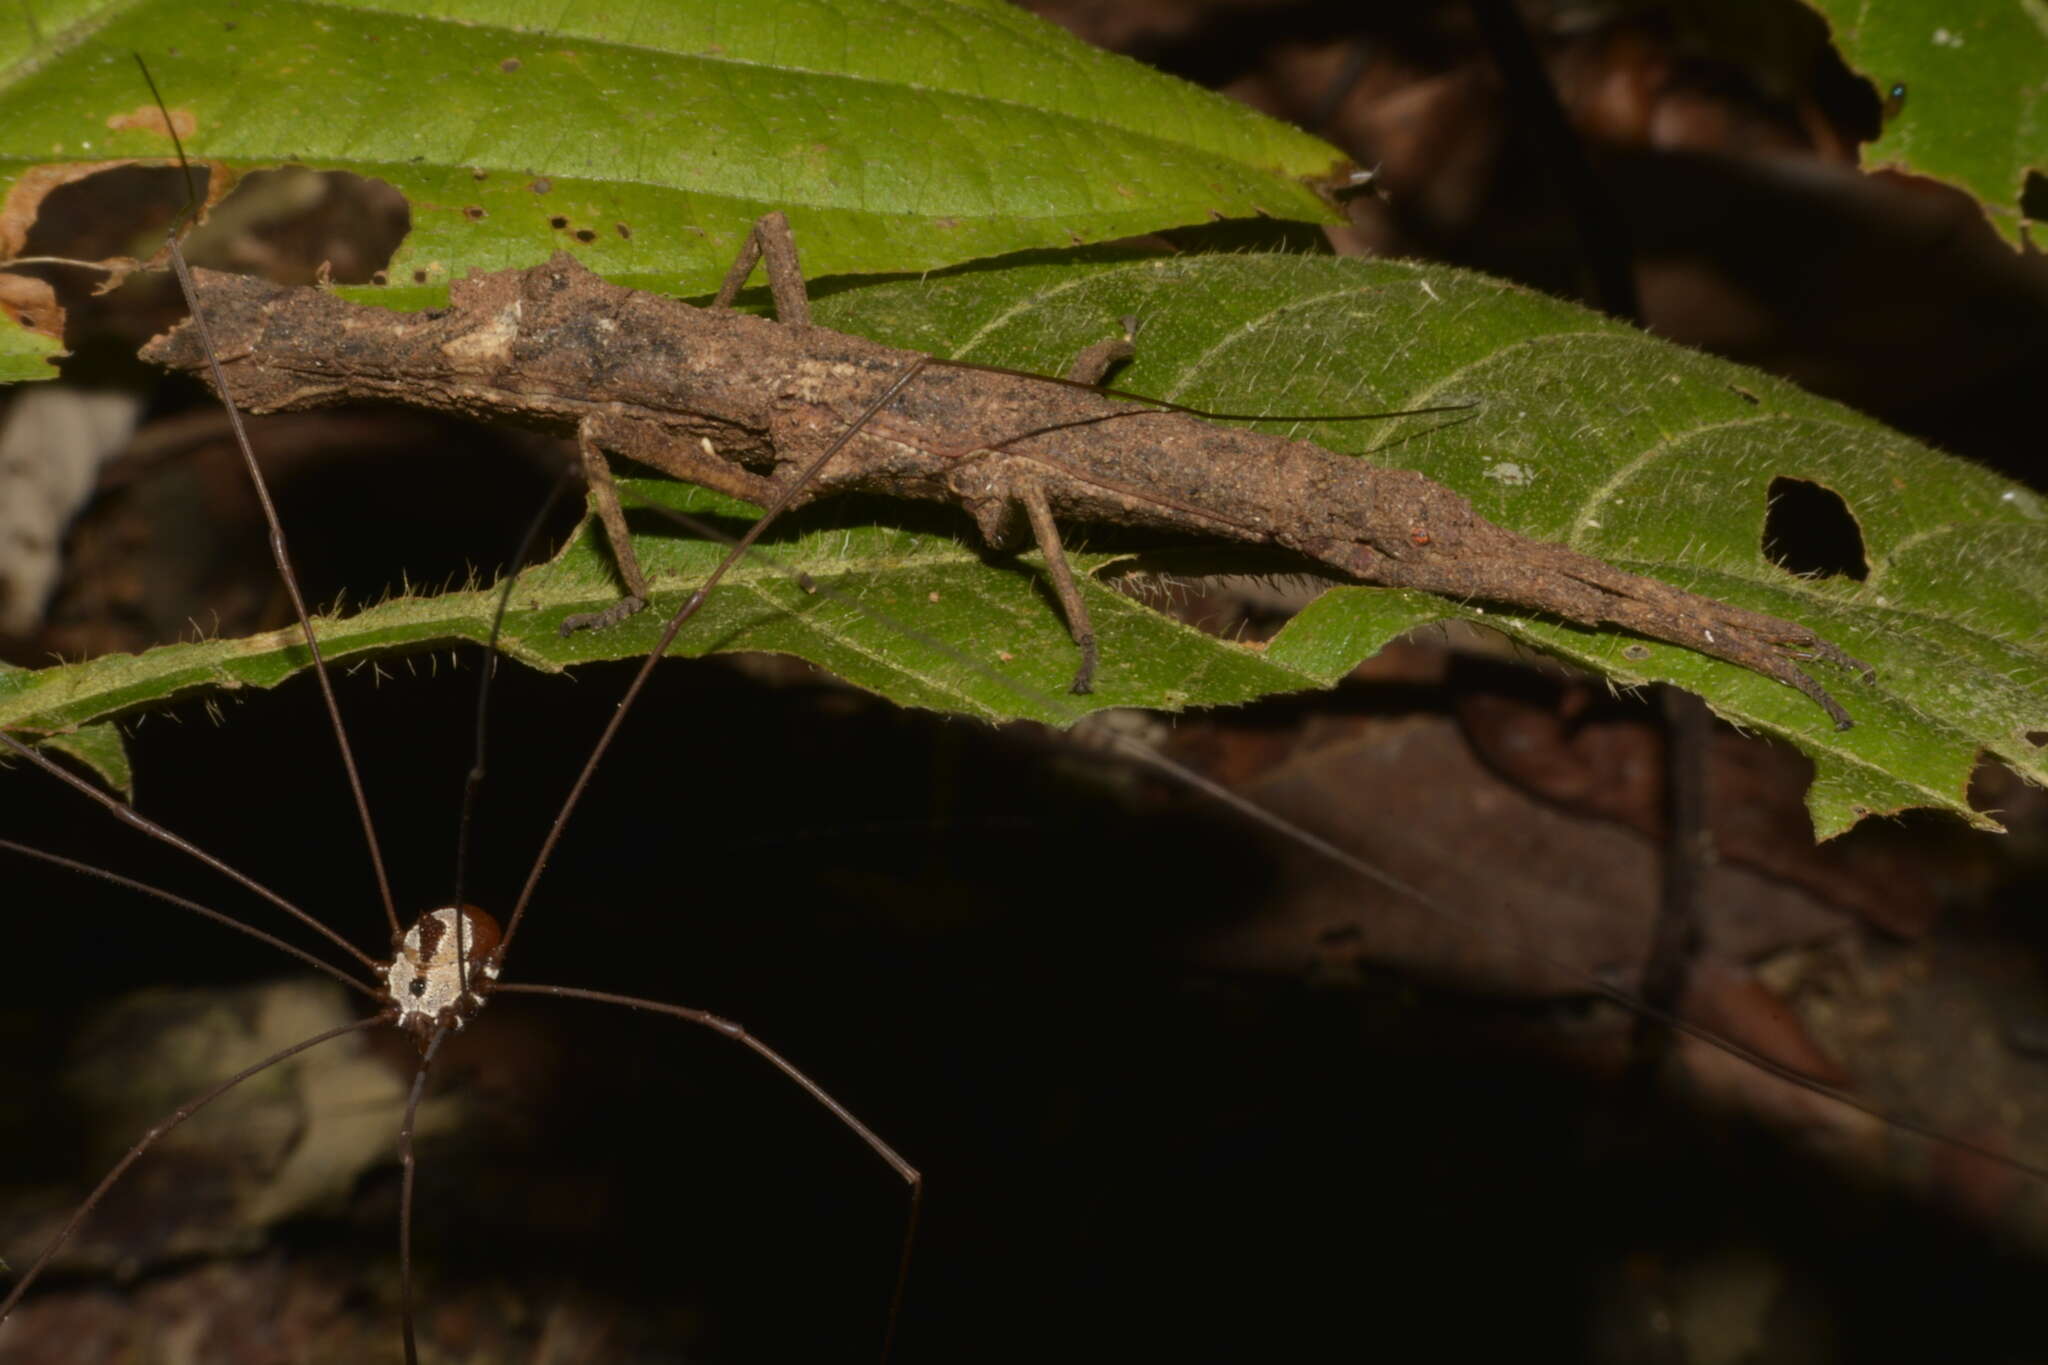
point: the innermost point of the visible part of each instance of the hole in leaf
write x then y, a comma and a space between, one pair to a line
121, 211
585, 235
558, 222
293, 225
2034, 196
1809, 531
288, 222
2038, 738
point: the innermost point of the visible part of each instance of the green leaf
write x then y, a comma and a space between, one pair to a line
25, 354
897, 134
1654, 457
98, 748
101, 749
1971, 107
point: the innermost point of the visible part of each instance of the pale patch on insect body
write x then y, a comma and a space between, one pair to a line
485, 349
429, 985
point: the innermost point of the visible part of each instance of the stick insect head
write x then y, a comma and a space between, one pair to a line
441, 970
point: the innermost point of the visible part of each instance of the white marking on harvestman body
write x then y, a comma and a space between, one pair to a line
429, 982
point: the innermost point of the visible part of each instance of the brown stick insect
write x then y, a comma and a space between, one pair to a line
762, 410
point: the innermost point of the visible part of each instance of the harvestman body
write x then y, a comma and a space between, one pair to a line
442, 971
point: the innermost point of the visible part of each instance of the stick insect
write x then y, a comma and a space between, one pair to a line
760, 410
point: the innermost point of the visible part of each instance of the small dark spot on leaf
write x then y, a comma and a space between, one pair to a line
380, 278
1636, 652
1809, 531
509, 65
585, 235
625, 233
558, 222
541, 184
419, 277
1894, 100
1745, 395
479, 173
474, 212
230, 26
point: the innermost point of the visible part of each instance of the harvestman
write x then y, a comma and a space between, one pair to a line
448, 962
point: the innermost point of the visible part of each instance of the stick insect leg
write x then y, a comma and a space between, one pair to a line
1095, 362
1069, 592
770, 240
597, 472
1089, 367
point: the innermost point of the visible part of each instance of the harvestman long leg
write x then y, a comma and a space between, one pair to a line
155, 1134
739, 1034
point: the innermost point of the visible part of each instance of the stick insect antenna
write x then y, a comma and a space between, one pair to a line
738, 1034
1209, 414
129, 815
278, 550
150, 1139
675, 624
1315, 843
